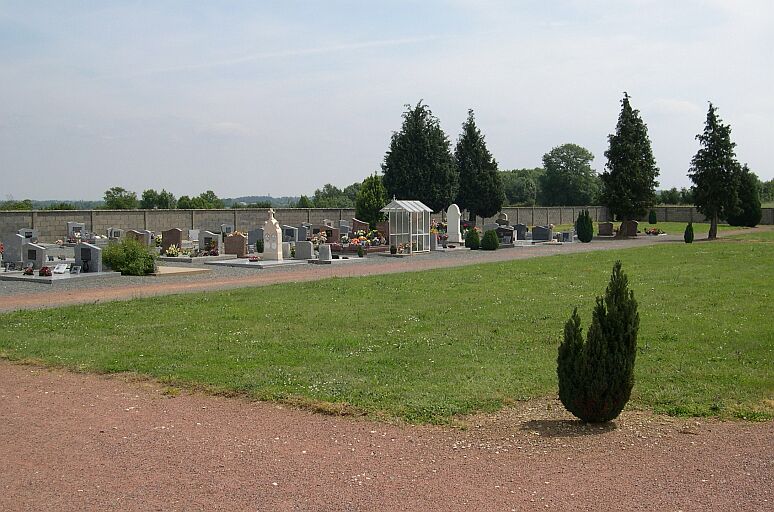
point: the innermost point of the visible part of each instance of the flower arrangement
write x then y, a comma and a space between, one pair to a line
654, 231
319, 238
370, 238
172, 251
344, 239
235, 233
157, 240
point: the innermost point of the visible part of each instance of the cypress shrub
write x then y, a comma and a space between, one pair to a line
490, 242
393, 249
259, 246
129, 257
652, 219
596, 376
688, 235
471, 239
584, 227
360, 251
748, 212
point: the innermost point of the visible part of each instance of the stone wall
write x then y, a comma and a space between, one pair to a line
52, 224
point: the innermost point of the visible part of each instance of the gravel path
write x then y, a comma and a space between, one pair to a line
88, 442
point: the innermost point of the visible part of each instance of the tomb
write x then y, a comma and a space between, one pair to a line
454, 236
304, 232
344, 228
144, 236
13, 249
210, 243
359, 225
289, 234
409, 225
542, 233
304, 250
254, 235
31, 235
170, 237
628, 228
114, 233
520, 231
88, 257
605, 229
225, 229
272, 238
75, 230
236, 243
325, 254
506, 234
286, 250
34, 254
193, 234
567, 236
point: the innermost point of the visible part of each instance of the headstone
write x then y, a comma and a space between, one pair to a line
144, 236
502, 219
193, 234
254, 235
345, 228
324, 252
236, 243
225, 229
628, 228
331, 233
605, 229
304, 250
359, 225
304, 232
542, 233
453, 225
114, 233
504, 232
433, 242
75, 227
88, 257
172, 236
384, 228
567, 236
209, 241
13, 249
520, 230
286, 250
31, 235
272, 238
35, 254
289, 234
490, 227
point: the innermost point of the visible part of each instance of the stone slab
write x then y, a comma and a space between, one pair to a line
56, 278
177, 271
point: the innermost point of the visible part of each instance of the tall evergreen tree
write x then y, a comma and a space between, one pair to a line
481, 189
419, 164
714, 172
371, 198
629, 184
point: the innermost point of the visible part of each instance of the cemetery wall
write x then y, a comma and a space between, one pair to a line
51, 224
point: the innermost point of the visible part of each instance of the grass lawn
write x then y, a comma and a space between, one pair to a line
700, 229
426, 346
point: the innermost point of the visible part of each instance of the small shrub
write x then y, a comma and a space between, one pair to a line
129, 257
688, 235
490, 242
596, 376
360, 251
652, 219
393, 249
584, 227
471, 239
259, 246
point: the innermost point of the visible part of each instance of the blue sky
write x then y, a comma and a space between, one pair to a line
253, 98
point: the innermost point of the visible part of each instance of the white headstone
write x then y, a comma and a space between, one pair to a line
325, 252
272, 238
453, 225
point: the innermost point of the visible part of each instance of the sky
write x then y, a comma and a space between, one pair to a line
280, 97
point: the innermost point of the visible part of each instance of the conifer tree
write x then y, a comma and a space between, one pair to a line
748, 212
629, 183
419, 164
715, 172
480, 187
370, 199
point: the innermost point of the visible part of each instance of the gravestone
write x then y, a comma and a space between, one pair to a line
75, 227
384, 228
304, 250
454, 236
272, 238
491, 227
236, 243
502, 220
433, 242
344, 227
520, 230
289, 234
286, 250
325, 253
304, 232
31, 235
605, 229
359, 225
628, 228
254, 235
193, 234
331, 233
88, 257
144, 236
114, 233
504, 232
542, 233
35, 254
13, 249
225, 229
169, 237
567, 236
209, 241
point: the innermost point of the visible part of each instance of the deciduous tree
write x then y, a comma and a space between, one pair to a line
569, 179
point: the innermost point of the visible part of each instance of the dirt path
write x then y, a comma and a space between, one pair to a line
87, 442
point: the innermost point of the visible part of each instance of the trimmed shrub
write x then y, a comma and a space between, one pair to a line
688, 235
471, 239
596, 376
584, 227
393, 249
129, 257
259, 246
490, 242
748, 212
652, 219
360, 251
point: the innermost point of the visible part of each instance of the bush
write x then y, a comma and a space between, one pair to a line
688, 235
259, 246
360, 251
393, 249
596, 376
129, 257
490, 242
652, 219
748, 213
584, 227
471, 239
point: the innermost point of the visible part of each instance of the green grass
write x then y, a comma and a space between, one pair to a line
672, 228
427, 346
